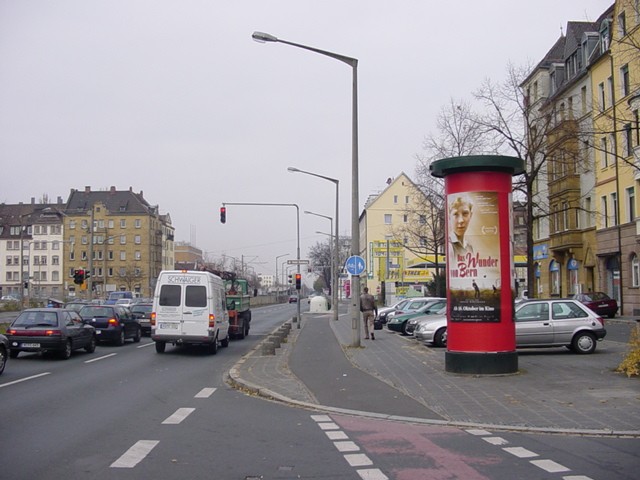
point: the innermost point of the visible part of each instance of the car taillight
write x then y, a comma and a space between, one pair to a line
114, 322
601, 320
53, 333
212, 320
11, 331
152, 318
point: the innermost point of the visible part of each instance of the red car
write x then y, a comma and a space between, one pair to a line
599, 302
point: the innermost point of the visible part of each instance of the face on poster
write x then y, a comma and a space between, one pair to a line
473, 258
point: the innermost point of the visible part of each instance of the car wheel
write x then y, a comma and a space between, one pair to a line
3, 359
66, 353
160, 346
138, 336
404, 328
213, 347
14, 353
583, 342
120, 339
225, 342
440, 338
91, 347
612, 315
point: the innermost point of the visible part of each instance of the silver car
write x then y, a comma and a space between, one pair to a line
539, 323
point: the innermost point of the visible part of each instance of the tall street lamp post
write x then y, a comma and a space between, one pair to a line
355, 232
279, 256
336, 267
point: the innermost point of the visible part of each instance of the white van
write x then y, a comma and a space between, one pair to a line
189, 307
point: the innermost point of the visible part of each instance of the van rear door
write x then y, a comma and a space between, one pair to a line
195, 314
169, 309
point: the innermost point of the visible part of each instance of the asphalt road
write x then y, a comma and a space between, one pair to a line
128, 412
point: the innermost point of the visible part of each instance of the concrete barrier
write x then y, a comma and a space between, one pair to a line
268, 348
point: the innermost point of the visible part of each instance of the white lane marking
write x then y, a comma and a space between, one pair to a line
347, 446
520, 452
336, 435
550, 466
205, 393
358, 460
321, 418
135, 454
474, 431
576, 477
495, 440
178, 416
146, 345
328, 426
100, 358
372, 474
24, 379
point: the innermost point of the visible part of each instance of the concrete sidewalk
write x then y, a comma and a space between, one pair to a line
397, 377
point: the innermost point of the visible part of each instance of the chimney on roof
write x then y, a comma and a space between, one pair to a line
33, 200
112, 189
87, 188
59, 200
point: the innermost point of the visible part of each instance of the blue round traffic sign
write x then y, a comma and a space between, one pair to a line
355, 265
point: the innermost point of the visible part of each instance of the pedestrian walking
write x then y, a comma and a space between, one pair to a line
369, 312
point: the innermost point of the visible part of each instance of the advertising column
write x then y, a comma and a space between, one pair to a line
480, 270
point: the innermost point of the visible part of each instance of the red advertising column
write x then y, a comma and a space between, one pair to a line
480, 273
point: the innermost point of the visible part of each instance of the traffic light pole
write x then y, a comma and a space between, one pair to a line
224, 204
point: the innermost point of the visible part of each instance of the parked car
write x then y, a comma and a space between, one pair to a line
400, 322
143, 312
4, 352
50, 330
438, 309
599, 302
409, 306
539, 323
384, 311
293, 299
113, 323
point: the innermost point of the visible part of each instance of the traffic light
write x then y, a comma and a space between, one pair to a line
78, 277
223, 214
290, 279
298, 281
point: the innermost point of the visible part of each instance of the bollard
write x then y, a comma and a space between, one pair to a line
268, 348
275, 340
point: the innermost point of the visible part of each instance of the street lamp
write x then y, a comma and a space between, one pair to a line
355, 227
279, 256
334, 264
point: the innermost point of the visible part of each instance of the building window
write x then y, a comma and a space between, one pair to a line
72, 255
110, 224
122, 271
387, 219
123, 223
601, 96
422, 219
85, 240
406, 199
622, 24
55, 260
83, 256
123, 239
605, 212
583, 100
604, 152
123, 255
631, 203
628, 138
72, 224
395, 199
614, 209
624, 80
405, 218
55, 245
138, 255
55, 276
84, 225
635, 270
138, 223
110, 271
138, 239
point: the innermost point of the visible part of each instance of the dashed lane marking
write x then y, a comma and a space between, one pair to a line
372, 474
550, 466
520, 452
100, 358
347, 446
24, 379
178, 416
336, 435
495, 440
205, 393
358, 460
135, 454
145, 345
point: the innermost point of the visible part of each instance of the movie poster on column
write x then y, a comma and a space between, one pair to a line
473, 257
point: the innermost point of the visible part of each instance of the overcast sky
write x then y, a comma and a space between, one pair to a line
174, 98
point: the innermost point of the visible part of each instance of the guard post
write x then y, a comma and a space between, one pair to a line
480, 272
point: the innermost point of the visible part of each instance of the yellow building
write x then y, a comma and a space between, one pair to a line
391, 242
120, 238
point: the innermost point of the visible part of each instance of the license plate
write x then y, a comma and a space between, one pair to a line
98, 332
168, 326
30, 345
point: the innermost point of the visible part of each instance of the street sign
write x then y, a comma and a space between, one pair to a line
297, 262
355, 265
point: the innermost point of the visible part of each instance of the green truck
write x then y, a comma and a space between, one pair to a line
239, 306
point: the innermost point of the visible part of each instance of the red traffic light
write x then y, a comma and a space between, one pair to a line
298, 281
223, 214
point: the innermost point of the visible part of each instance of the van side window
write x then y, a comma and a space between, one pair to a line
170, 295
196, 296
